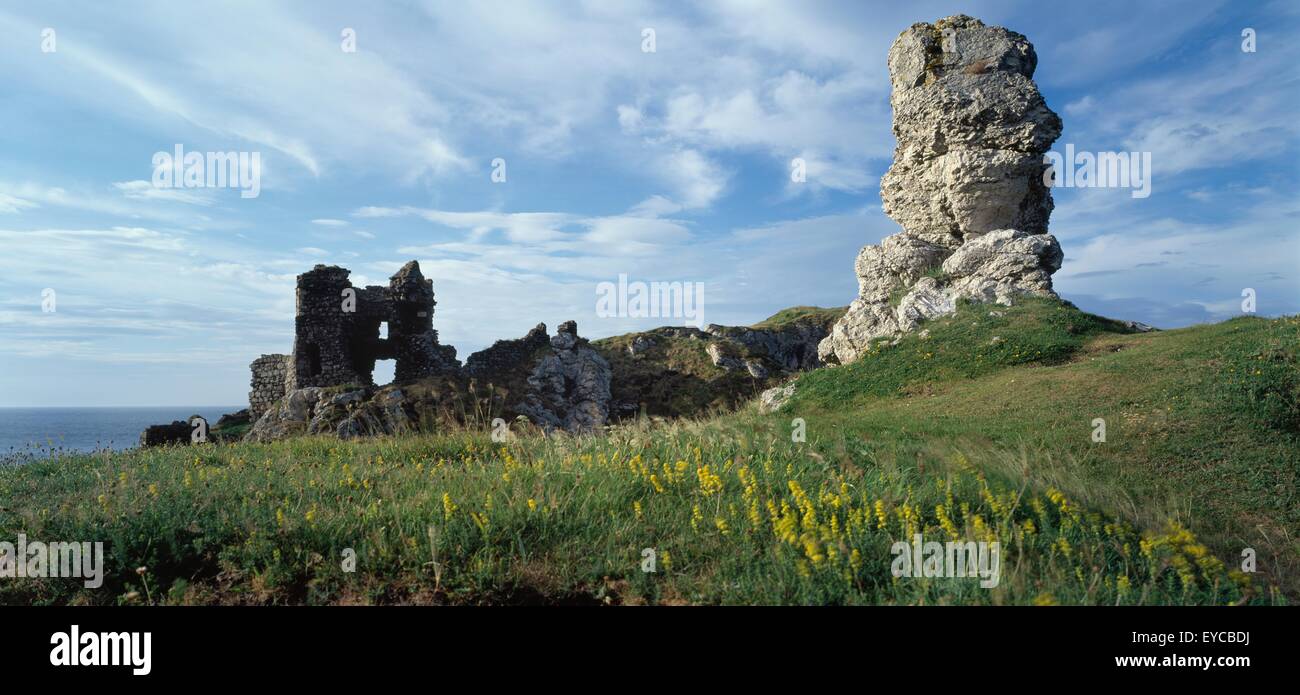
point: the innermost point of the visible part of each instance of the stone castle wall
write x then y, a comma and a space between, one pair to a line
270, 378
337, 331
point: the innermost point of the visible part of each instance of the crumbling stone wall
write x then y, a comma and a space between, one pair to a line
324, 329
413, 340
506, 357
270, 373
337, 331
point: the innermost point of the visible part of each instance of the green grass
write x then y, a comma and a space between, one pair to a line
807, 314
976, 340
233, 432
951, 436
1202, 424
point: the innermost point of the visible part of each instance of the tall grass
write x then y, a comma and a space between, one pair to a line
978, 431
730, 513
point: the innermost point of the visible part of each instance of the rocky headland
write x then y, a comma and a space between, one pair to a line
966, 185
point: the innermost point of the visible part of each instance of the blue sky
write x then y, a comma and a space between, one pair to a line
671, 165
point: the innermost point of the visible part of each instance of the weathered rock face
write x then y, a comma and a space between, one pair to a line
236, 419
364, 412
971, 129
966, 184
677, 371
792, 347
289, 416
569, 388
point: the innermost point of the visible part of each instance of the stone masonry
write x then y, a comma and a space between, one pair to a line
270, 374
337, 335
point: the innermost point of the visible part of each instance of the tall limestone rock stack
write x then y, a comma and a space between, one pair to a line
966, 184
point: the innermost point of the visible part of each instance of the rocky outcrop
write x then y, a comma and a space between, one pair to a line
230, 427
569, 387
288, 416
178, 432
347, 412
677, 371
966, 184
233, 420
791, 347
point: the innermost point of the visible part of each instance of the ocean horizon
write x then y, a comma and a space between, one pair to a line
41, 432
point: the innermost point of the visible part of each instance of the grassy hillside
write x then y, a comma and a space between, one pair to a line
955, 435
1202, 424
810, 314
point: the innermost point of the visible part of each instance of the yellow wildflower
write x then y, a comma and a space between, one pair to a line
710, 482
1046, 599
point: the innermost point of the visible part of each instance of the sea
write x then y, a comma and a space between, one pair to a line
28, 433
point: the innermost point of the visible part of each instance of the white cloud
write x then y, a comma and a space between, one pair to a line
129, 294
785, 116
317, 106
697, 180
9, 204
123, 204
144, 190
629, 118
1081, 107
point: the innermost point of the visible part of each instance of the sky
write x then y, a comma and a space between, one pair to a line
671, 164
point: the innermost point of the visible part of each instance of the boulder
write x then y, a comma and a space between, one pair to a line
772, 399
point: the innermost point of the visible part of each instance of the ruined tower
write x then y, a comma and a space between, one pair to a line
337, 335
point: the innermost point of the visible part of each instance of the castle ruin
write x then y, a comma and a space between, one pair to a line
338, 335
